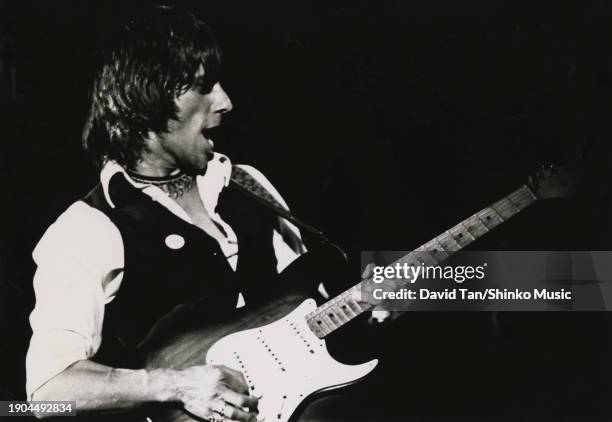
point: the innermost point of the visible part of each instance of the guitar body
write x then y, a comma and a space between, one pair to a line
272, 345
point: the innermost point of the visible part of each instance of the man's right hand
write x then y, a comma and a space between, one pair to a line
210, 391
206, 391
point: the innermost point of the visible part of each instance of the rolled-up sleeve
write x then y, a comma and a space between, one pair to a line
79, 261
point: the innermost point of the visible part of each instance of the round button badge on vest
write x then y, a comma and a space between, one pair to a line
175, 241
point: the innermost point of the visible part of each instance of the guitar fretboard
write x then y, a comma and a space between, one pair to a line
338, 311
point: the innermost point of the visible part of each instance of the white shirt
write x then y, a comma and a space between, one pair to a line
80, 261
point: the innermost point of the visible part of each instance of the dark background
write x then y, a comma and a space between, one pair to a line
383, 123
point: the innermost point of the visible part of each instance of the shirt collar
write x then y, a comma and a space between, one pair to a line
210, 184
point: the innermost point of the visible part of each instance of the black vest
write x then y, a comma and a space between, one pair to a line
159, 275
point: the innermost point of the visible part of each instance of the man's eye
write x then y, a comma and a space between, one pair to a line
204, 87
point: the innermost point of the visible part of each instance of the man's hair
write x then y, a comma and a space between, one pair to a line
150, 61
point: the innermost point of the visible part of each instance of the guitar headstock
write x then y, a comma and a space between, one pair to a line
553, 181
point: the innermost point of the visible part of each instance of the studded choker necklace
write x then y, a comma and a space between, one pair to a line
175, 185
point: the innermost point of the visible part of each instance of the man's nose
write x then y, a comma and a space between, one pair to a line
222, 102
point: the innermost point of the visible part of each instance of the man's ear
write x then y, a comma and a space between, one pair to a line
152, 143
151, 136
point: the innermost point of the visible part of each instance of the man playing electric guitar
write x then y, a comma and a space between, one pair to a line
160, 229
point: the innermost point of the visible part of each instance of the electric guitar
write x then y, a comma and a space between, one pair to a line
280, 346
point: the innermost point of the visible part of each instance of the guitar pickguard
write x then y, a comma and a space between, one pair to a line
284, 362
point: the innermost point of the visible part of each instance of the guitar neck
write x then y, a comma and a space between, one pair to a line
338, 311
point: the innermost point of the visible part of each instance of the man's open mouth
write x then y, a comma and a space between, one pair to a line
211, 133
